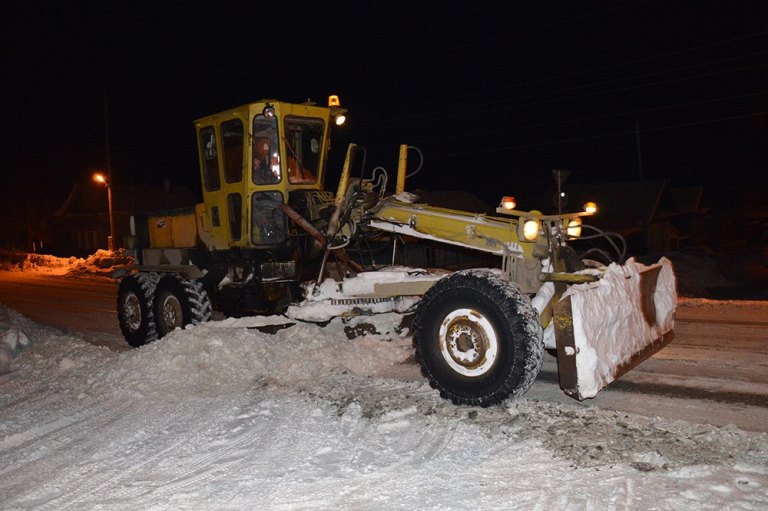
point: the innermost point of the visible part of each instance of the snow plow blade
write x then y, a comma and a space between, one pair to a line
605, 328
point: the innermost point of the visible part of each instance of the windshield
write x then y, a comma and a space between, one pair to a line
304, 143
266, 152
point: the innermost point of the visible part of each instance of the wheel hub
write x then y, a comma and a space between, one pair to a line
132, 312
171, 314
464, 342
468, 342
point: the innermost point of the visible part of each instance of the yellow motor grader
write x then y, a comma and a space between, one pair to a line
268, 238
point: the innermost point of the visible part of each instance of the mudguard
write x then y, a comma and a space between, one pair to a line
605, 328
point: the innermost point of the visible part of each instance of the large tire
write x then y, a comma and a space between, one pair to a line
135, 311
478, 338
180, 302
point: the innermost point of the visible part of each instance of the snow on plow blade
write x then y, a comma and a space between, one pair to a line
605, 328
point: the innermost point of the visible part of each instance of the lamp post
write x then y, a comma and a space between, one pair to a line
101, 178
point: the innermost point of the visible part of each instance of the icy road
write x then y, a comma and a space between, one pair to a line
225, 416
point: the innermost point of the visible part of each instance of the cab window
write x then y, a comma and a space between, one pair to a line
303, 142
266, 152
232, 148
267, 221
235, 212
210, 155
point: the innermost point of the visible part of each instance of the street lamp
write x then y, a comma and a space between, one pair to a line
102, 179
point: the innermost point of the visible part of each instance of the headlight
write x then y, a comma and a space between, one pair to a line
268, 111
574, 227
590, 207
530, 230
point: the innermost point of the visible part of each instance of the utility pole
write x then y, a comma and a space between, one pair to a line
639, 151
111, 240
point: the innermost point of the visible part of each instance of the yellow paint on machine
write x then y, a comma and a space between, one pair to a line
173, 231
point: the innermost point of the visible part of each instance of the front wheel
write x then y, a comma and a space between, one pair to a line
180, 302
478, 338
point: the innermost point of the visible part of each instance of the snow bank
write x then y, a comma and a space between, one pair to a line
99, 263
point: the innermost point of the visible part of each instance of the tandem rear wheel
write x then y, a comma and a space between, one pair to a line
150, 305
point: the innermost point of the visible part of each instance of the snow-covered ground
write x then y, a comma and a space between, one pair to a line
257, 413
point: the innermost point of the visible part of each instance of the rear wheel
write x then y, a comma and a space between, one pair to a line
135, 297
180, 302
478, 338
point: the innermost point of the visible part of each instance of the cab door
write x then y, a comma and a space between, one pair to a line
222, 162
268, 185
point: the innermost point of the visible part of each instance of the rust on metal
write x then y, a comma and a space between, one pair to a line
340, 255
571, 278
648, 280
566, 346
303, 223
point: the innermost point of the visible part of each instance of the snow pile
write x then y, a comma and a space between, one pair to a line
226, 416
20, 261
12, 341
99, 263
225, 356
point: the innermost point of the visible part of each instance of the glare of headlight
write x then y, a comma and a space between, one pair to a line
590, 207
530, 230
508, 202
341, 119
574, 227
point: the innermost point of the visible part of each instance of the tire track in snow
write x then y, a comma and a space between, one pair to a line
51, 436
204, 467
196, 469
91, 483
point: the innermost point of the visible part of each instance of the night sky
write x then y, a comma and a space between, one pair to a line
495, 94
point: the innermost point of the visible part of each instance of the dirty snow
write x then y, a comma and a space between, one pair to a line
225, 415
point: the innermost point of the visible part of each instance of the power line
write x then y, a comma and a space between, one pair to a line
500, 104
605, 135
475, 93
598, 117
505, 35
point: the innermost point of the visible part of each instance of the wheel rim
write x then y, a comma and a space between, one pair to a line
132, 312
170, 313
468, 342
